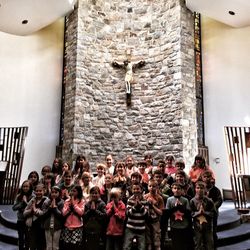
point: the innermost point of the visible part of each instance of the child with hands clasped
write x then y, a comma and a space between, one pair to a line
116, 212
23, 197
202, 212
156, 205
94, 221
33, 214
53, 219
73, 209
178, 210
137, 214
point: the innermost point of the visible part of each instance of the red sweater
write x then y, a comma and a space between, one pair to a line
116, 218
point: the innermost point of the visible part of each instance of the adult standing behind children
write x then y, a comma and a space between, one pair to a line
199, 166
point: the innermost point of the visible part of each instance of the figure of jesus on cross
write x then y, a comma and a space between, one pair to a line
129, 68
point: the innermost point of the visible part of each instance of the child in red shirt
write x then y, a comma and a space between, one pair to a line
116, 212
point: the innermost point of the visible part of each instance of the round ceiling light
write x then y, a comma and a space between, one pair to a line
232, 13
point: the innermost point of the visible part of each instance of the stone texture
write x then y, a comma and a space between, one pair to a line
162, 118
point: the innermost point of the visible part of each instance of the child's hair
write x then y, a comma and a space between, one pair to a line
115, 192
207, 173
57, 169
158, 171
46, 166
180, 172
86, 174
101, 166
58, 189
152, 181
180, 163
201, 158
148, 156
67, 172
142, 164
200, 184
66, 163
21, 193
37, 176
176, 184
39, 185
161, 163
137, 184
95, 189
170, 157
86, 166
119, 164
80, 157
79, 191
136, 175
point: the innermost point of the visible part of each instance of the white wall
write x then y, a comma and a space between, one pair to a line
30, 90
226, 67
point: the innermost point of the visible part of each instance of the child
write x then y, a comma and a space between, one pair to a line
187, 190
164, 189
33, 177
110, 168
48, 182
156, 205
142, 170
33, 214
119, 179
130, 167
178, 210
137, 214
149, 161
116, 211
94, 221
53, 218
79, 168
45, 170
23, 197
170, 167
215, 195
106, 189
59, 177
86, 185
135, 178
73, 209
66, 185
202, 212
99, 180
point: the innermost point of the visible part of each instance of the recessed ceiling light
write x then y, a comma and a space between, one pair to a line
25, 21
232, 13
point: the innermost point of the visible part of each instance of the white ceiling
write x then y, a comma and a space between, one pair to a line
218, 10
38, 13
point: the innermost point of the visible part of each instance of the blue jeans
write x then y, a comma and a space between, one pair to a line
128, 238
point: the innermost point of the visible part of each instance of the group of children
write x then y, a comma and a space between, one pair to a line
122, 206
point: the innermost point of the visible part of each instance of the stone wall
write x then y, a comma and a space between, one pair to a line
162, 117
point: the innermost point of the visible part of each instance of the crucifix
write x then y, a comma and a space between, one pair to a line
129, 69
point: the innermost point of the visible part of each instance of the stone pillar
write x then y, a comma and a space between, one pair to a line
162, 117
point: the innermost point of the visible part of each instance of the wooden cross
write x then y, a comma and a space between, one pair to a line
129, 69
